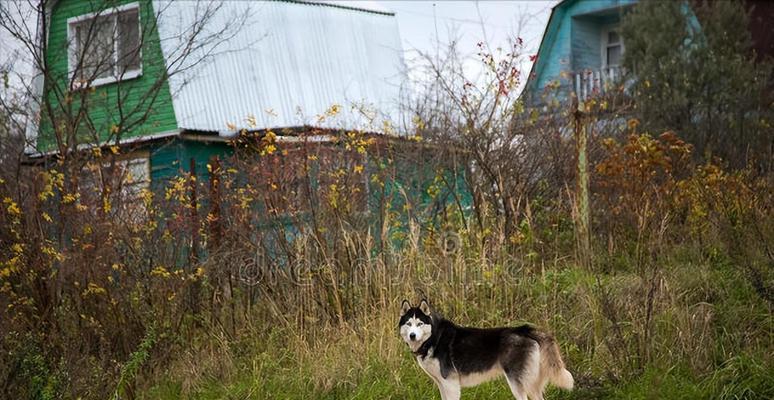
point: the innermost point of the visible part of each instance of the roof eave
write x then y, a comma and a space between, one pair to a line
342, 6
535, 66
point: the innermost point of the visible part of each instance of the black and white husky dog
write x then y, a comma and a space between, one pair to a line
456, 357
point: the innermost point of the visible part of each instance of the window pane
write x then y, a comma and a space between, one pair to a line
614, 55
128, 41
94, 44
134, 177
613, 37
126, 181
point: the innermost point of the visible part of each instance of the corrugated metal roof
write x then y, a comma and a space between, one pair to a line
361, 5
291, 62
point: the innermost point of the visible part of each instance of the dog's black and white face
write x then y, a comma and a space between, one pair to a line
416, 324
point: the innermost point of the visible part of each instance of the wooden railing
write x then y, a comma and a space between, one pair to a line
589, 83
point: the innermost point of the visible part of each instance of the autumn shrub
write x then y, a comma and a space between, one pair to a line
650, 193
86, 273
637, 182
678, 223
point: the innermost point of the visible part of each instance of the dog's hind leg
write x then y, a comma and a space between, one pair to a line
535, 391
521, 363
535, 394
516, 388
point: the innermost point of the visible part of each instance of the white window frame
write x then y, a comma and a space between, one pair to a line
605, 44
135, 177
72, 55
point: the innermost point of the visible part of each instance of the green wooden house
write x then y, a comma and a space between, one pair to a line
169, 85
174, 80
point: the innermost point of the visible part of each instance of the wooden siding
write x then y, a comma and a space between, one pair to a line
170, 157
102, 101
586, 44
434, 203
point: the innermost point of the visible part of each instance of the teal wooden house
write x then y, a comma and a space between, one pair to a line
581, 51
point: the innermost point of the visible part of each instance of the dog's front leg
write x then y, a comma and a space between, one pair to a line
450, 389
441, 389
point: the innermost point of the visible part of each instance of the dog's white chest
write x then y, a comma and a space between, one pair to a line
430, 365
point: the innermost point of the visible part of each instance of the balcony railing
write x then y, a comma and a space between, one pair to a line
589, 83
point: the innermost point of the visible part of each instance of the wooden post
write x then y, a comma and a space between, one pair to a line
582, 207
195, 289
194, 256
216, 230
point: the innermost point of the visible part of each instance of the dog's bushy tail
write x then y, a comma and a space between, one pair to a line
552, 365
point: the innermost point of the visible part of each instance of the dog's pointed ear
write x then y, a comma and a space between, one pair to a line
404, 307
425, 307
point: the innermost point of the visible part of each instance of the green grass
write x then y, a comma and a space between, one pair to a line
743, 378
711, 339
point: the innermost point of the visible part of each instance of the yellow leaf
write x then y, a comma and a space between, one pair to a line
161, 271
251, 121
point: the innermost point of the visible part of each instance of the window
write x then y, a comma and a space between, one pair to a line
105, 46
612, 51
124, 180
134, 175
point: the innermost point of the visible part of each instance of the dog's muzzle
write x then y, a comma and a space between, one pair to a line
413, 336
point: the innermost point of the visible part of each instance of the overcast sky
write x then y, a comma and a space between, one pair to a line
424, 24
